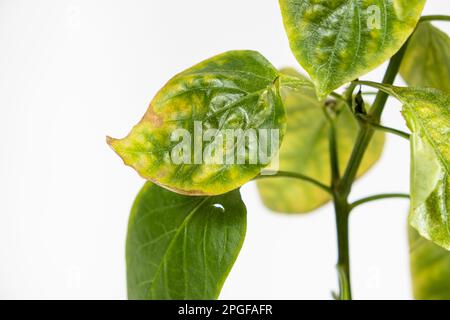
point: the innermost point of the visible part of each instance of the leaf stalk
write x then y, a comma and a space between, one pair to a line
435, 18
299, 176
378, 197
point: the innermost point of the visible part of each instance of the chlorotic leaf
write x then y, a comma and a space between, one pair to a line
430, 269
338, 41
203, 131
427, 58
427, 113
182, 247
305, 151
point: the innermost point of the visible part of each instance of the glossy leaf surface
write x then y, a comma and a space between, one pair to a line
182, 247
427, 59
338, 41
430, 269
305, 150
237, 90
427, 113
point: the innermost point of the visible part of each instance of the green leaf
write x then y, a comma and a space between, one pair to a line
427, 59
237, 90
338, 41
427, 114
305, 151
182, 247
430, 269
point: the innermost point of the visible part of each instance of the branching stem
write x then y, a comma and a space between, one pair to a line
397, 132
378, 197
293, 175
342, 187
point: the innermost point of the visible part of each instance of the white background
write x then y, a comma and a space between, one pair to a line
72, 72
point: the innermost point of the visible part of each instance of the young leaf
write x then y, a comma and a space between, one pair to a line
182, 247
427, 114
338, 41
427, 59
206, 107
305, 151
430, 269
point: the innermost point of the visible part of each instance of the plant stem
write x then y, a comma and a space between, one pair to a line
435, 18
370, 93
397, 132
366, 131
348, 94
380, 86
342, 211
337, 96
294, 175
342, 187
334, 157
389, 78
378, 197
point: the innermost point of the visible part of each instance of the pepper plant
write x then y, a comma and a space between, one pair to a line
235, 118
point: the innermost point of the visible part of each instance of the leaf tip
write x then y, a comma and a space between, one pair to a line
110, 141
114, 144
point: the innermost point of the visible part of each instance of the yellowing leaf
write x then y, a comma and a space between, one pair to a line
338, 41
430, 269
188, 140
427, 113
305, 151
427, 59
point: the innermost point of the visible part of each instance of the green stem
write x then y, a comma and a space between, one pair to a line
380, 86
293, 175
435, 18
397, 132
348, 94
337, 96
370, 93
334, 157
378, 197
389, 78
342, 211
362, 142
367, 131
342, 188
